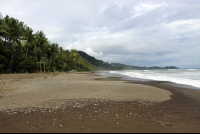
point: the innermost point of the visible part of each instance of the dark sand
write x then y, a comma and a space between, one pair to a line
181, 113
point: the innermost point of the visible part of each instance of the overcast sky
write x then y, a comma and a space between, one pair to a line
133, 32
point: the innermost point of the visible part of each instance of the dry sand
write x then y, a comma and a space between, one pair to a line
85, 102
24, 92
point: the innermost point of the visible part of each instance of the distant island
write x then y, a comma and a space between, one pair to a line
128, 67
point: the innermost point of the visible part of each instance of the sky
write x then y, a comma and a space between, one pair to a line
132, 32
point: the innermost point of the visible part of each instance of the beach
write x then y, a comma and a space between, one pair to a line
88, 102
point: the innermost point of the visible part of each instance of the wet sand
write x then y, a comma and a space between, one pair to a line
95, 104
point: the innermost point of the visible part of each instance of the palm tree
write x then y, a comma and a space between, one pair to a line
14, 33
75, 56
3, 26
40, 40
29, 38
67, 57
61, 49
53, 50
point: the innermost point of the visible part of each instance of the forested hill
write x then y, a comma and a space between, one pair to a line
127, 67
101, 65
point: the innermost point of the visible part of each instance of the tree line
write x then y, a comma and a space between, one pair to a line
21, 49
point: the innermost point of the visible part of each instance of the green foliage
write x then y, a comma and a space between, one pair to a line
4, 55
29, 65
78, 69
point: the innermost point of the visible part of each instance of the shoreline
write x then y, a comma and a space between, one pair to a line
124, 77
185, 102
180, 113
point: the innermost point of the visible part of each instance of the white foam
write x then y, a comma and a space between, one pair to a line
191, 69
179, 77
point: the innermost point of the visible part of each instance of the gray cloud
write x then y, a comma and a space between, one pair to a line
143, 33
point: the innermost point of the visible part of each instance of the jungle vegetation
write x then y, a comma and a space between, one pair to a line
21, 49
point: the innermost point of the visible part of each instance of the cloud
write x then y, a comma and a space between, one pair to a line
89, 51
143, 33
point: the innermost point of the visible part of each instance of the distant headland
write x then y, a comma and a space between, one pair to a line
128, 67
101, 65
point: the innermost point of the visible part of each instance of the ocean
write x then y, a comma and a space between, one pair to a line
189, 77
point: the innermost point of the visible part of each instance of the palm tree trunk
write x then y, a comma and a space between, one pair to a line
36, 55
50, 62
18, 60
37, 52
27, 50
75, 61
11, 57
10, 64
15, 53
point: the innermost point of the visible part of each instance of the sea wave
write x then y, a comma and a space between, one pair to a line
180, 77
191, 69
